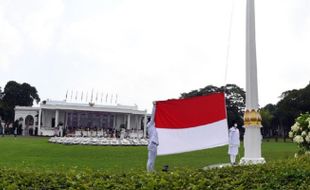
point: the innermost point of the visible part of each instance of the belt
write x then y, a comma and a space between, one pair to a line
154, 143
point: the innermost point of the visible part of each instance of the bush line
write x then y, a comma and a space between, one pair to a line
284, 174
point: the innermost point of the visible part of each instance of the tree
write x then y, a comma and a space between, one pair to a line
202, 91
267, 113
278, 119
16, 94
293, 103
235, 103
235, 100
1, 96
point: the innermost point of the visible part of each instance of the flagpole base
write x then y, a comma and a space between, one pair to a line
248, 161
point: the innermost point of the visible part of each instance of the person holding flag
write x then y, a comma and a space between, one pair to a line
184, 125
153, 142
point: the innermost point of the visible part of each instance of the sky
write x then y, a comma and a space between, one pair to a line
141, 51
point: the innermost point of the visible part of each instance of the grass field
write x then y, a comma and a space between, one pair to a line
36, 152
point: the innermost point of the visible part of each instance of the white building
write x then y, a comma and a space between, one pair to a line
68, 118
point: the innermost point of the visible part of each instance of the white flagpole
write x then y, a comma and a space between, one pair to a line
252, 118
111, 99
91, 97
71, 94
66, 95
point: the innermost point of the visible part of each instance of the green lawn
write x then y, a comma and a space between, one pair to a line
36, 152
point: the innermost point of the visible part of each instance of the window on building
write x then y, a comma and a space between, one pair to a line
53, 122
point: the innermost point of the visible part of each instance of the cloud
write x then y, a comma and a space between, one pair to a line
151, 50
41, 22
172, 46
10, 43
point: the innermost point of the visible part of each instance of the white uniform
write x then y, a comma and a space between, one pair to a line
153, 143
234, 143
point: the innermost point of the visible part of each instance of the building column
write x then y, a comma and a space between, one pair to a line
144, 127
56, 117
115, 122
43, 119
128, 121
78, 121
39, 122
23, 126
136, 122
65, 119
108, 120
56, 121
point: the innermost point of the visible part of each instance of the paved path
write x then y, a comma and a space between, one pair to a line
217, 166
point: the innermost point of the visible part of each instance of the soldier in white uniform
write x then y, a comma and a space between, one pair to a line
153, 143
234, 143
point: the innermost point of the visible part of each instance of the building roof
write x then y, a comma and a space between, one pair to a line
63, 105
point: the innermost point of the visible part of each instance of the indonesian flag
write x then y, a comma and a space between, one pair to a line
190, 124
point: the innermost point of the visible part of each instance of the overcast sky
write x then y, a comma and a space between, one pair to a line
150, 50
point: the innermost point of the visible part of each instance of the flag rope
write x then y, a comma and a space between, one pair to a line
228, 40
228, 53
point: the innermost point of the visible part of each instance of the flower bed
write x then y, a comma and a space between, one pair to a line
300, 132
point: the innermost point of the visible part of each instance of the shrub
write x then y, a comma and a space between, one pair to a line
285, 174
300, 132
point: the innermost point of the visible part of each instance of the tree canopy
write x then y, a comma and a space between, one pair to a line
280, 117
16, 94
276, 118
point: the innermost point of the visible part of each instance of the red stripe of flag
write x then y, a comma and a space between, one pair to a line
190, 112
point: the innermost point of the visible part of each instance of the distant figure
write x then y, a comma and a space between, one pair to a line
20, 128
60, 130
153, 143
234, 143
36, 131
122, 134
55, 131
15, 131
1, 128
30, 131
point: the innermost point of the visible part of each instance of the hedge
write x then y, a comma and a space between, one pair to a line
285, 174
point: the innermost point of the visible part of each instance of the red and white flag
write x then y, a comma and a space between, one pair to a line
190, 124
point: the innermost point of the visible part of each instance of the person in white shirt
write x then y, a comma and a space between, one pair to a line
234, 143
153, 143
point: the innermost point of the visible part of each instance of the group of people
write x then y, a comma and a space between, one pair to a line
8, 129
96, 132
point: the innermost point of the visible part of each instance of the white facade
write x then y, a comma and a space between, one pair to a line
27, 117
58, 117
